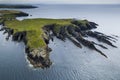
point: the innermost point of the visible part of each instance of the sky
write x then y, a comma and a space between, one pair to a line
63, 1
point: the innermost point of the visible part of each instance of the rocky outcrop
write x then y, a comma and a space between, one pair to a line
38, 57
19, 36
78, 31
7, 30
85, 24
101, 37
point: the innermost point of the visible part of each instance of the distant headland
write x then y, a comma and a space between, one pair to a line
17, 6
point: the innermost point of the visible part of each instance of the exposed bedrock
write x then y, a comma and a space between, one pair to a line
8, 31
83, 25
77, 34
80, 39
19, 36
38, 57
101, 37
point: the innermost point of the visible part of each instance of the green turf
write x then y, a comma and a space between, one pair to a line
34, 27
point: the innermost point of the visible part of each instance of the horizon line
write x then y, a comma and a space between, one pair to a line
66, 3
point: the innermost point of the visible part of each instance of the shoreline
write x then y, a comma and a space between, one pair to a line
36, 38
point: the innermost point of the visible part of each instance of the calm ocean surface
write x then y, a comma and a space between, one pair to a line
69, 61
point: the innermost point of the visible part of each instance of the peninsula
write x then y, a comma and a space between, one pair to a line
36, 34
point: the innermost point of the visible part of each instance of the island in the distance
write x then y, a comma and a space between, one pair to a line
17, 6
36, 33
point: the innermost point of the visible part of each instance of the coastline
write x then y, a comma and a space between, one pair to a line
74, 30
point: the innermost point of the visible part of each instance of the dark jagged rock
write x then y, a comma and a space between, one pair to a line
83, 41
7, 30
70, 37
100, 38
85, 24
76, 34
39, 60
106, 36
99, 45
19, 36
3, 28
